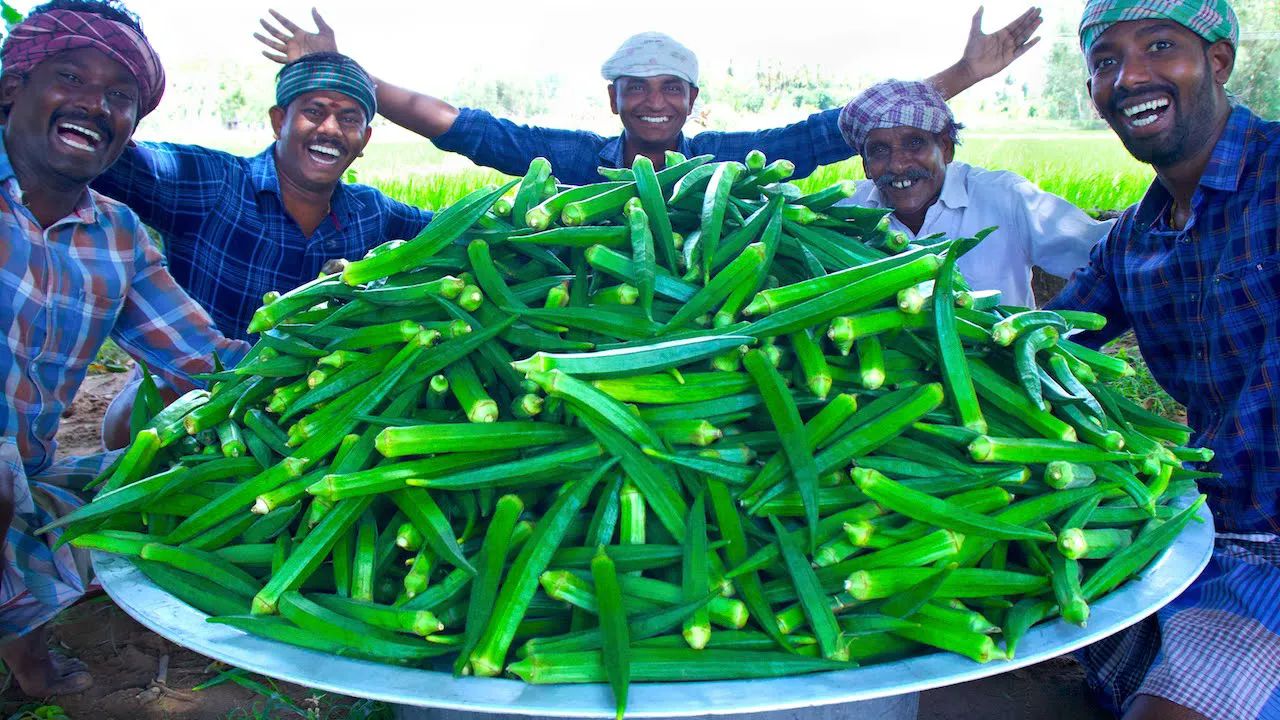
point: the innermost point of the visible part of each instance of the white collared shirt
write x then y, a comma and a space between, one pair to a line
1034, 228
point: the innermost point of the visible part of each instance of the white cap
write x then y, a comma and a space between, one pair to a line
650, 54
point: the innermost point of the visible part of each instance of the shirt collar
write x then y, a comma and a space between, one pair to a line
86, 209
955, 192
1227, 162
262, 171
1222, 173
611, 152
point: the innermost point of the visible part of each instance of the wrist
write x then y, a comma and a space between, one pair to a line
955, 79
966, 75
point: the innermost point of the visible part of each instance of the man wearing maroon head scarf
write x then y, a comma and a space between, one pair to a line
75, 269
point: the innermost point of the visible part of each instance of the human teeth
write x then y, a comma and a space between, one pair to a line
1144, 107
76, 144
82, 130
902, 184
654, 118
333, 152
1142, 122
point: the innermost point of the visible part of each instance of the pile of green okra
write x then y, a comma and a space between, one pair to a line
685, 424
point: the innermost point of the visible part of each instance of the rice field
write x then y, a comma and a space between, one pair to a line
1089, 168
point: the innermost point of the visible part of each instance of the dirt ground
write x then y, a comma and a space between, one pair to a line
126, 658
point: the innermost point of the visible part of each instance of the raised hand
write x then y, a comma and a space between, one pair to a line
985, 55
288, 42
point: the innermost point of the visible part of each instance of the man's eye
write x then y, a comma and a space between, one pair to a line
122, 96
70, 77
1160, 45
915, 142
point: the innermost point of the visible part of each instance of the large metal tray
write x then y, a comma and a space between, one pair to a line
1164, 580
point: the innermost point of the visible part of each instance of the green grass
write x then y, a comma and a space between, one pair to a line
1091, 169
1141, 387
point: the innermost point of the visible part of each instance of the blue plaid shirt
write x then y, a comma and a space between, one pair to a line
226, 234
1204, 303
575, 154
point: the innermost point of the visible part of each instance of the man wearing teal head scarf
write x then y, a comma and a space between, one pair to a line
1194, 270
237, 227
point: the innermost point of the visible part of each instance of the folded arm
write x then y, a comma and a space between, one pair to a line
161, 325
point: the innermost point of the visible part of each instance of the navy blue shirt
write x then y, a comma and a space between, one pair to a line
226, 234
1204, 303
575, 154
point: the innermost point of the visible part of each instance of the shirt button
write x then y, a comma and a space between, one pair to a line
1194, 297
1258, 266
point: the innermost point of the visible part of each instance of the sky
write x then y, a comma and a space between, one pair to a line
431, 45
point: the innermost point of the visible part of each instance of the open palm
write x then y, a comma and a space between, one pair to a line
288, 42
987, 55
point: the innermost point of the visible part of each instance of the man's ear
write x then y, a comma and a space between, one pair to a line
1222, 60
277, 119
693, 94
1088, 89
948, 148
368, 133
613, 98
10, 85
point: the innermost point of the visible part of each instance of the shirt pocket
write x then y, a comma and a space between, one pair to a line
79, 325
1245, 306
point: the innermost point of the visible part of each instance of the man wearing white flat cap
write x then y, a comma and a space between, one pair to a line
653, 83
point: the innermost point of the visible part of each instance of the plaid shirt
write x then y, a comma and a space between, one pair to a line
91, 275
575, 154
228, 238
1204, 303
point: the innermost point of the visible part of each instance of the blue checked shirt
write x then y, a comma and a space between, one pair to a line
575, 154
1204, 303
227, 236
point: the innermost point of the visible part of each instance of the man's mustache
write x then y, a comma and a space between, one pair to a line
1122, 95
912, 174
97, 124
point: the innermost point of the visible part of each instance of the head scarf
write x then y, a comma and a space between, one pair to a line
330, 71
1212, 20
895, 103
46, 34
650, 54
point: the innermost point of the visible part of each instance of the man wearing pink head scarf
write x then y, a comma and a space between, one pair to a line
75, 269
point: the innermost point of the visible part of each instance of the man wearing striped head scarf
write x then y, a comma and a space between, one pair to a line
236, 227
907, 138
75, 269
1194, 270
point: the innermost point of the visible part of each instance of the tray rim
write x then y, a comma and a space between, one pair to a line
1171, 573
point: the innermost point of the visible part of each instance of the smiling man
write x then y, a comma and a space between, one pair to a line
237, 227
907, 138
76, 268
1194, 270
652, 87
